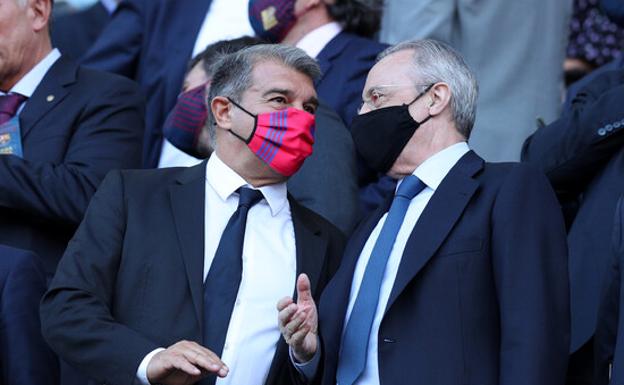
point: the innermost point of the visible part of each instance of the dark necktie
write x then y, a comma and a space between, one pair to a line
9, 104
357, 332
224, 276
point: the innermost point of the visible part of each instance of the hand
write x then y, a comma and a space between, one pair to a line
298, 322
184, 363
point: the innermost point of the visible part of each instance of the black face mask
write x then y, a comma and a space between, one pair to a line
380, 135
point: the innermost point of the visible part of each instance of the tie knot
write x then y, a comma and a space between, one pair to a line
10, 103
249, 197
410, 187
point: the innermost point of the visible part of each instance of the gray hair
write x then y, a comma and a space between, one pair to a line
435, 62
232, 74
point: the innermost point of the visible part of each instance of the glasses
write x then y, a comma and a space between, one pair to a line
376, 97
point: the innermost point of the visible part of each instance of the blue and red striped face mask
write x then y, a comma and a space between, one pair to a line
282, 139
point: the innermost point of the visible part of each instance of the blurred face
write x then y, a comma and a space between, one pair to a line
20, 28
195, 77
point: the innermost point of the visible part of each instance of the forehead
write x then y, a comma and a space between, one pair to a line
269, 74
397, 68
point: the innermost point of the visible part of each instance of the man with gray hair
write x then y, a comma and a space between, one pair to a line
159, 286
460, 277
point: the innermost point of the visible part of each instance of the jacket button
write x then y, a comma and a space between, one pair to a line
602, 132
609, 127
617, 125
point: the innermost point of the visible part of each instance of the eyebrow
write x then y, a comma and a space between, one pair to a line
288, 93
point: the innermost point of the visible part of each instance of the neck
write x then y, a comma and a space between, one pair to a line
250, 167
422, 147
306, 23
34, 57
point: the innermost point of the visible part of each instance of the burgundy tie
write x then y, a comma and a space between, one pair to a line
8, 106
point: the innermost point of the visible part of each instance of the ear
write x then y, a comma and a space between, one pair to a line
221, 110
40, 11
440, 98
303, 6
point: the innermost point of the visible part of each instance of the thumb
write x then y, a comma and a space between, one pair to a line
304, 293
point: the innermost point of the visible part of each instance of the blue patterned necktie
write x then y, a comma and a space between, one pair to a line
357, 332
224, 276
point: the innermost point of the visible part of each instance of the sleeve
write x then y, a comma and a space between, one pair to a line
76, 311
529, 259
308, 369
571, 149
108, 135
142, 371
118, 47
608, 316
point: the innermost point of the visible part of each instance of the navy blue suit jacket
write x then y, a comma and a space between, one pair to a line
151, 41
345, 62
582, 154
25, 358
74, 33
609, 340
78, 125
481, 294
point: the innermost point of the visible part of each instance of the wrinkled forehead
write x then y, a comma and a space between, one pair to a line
394, 69
271, 74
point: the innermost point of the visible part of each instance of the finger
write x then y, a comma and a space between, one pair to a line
282, 303
202, 361
304, 293
203, 351
297, 338
180, 363
285, 315
295, 323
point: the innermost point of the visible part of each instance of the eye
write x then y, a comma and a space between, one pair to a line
278, 100
311, 108
377, 98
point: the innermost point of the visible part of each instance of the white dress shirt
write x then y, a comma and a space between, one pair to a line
226, 19
431, 173
269, 272
314, 41
27, 85
110, 5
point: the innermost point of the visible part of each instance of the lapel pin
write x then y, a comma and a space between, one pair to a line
50, 98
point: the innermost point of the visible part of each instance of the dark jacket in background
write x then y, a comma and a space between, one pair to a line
78, 125
74, 33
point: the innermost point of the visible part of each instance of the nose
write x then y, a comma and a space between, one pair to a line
364, 108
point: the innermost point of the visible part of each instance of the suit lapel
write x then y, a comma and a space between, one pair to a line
329, 52
311, 245
443, 210
48, 94
186, 198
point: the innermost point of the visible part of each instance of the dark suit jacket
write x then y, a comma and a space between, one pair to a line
582, 155
25, 358
151, 41
609, 339
78, 125
345, 62
74, 33
132, 275
481, 294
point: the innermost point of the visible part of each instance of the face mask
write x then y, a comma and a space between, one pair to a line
380, 135
282, 139
272, 19
186, 120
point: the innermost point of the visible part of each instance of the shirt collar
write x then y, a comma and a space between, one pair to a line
433, 170
27, 85
314, 42
110, 5
226, 181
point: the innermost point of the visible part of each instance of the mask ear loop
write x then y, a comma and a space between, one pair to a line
421, 94
253, 132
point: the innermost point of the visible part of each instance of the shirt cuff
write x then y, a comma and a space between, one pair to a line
141, 375
307, 369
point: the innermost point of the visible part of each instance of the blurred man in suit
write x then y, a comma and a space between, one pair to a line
74, 33
609, 354
329, 172
73, 126
460, 277
151, 41
26, 358
582, 154
172, 326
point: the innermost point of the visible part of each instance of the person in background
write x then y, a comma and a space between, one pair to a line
460, 277
582, 154
329, 172
74, 33
151, 41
